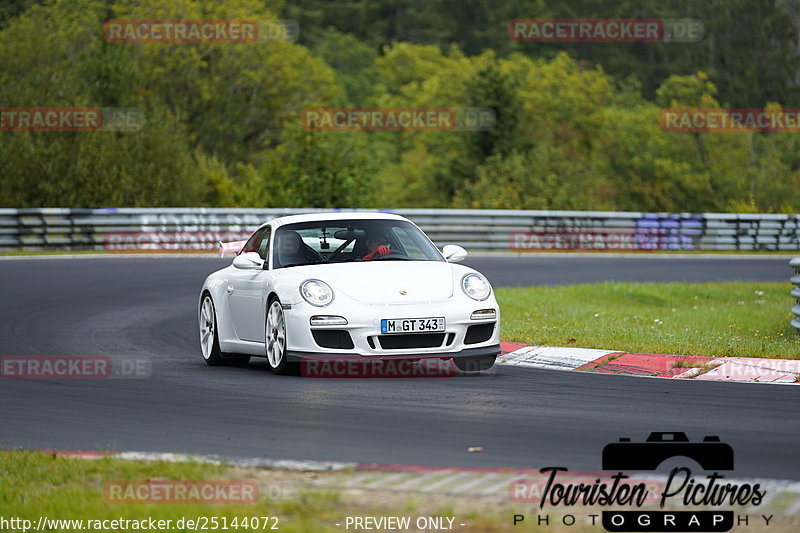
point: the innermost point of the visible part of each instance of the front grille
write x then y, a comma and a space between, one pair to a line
333, 338
479, 333
419, 340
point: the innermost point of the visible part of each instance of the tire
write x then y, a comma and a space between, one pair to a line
474, 364
209, 337
209, 340
275, 338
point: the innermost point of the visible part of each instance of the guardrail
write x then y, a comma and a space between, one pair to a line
796, 292
200, 229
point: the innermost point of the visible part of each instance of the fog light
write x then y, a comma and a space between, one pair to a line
483, 314
328, 320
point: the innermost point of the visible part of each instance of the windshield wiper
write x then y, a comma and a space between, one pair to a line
304, 264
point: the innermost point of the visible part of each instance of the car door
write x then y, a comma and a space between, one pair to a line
246, 290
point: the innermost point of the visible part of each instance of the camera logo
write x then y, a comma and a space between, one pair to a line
710, 454
713, 492
683, 502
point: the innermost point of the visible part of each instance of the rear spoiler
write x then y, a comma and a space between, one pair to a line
233, 247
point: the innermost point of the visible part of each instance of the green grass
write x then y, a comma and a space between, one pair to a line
34, 484
741, 319
38, 484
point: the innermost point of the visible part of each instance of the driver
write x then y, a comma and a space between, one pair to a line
376, 242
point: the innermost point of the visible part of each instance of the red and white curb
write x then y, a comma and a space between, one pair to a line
551, 357
699, 368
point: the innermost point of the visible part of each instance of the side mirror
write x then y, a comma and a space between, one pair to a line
453, 253
248, 261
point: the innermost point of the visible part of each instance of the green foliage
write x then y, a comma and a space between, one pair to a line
314, 169
749, 46
210, 108
494, 89
687, 92
542, 178
578, 126
352, 61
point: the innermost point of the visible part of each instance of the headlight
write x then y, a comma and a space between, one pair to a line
316, 292
476, 287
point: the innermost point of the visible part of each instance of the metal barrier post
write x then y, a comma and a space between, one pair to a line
796, 292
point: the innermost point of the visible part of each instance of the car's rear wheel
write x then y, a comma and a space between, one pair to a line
275, 338
209, 338
209, 341
474, 364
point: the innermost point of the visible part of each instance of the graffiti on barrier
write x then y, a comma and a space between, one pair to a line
648, 232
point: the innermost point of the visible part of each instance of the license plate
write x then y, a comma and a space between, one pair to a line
411, 325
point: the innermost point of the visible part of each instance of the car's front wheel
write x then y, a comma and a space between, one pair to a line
474, 364
275, 338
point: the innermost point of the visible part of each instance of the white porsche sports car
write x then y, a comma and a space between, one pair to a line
346, 285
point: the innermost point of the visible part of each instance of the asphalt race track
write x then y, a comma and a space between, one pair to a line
550, 269
146, 307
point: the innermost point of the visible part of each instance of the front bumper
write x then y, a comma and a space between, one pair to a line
296, 356
363, 326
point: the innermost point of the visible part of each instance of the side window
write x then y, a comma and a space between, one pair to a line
258, 242
263, 248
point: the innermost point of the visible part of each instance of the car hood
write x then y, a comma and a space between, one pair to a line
382, 282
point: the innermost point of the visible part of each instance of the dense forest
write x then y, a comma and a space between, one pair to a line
577, 124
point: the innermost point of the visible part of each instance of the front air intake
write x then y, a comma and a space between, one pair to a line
418, 340
479, 333
338, 339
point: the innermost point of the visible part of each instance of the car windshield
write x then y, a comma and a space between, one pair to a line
349, 241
